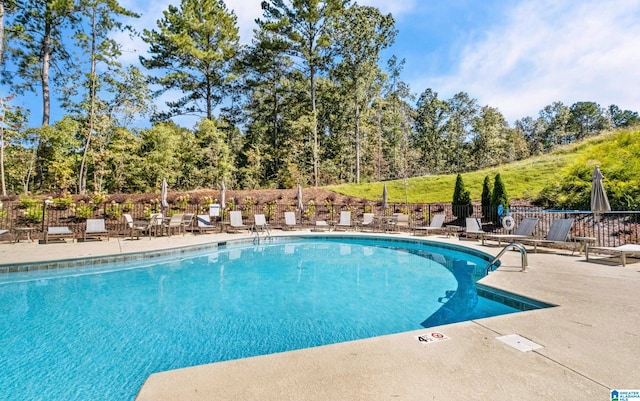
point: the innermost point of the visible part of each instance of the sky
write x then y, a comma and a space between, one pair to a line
515, 55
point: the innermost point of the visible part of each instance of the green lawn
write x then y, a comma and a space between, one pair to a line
523, 179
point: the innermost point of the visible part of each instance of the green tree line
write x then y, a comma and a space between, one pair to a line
309, 101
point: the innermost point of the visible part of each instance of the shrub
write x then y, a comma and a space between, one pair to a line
498, 197
84, 211
27, 203
33, 214
99, 198
311, 209
461, 203
62, 203
486, 198
113, 211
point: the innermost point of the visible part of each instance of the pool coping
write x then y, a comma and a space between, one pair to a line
590, 341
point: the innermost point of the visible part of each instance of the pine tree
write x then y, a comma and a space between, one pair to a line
486, 198
461, 204
498, 197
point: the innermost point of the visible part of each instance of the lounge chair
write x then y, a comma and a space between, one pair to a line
203, 223
436, 225
58, 233
321, 225
289, 221
235, 221
623, 251
345, 220
474, 228
95, 229
174, 223
367, 220
557, 234
214, 210
524, 231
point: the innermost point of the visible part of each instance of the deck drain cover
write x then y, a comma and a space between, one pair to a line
519, 342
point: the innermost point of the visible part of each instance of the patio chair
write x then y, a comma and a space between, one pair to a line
367, 221
289, 221
95, 229
235, 221
622, 251
345, 220
523, 231
557, 234
187, 221
400, 220
58, 233
173, 224
156, 221
436, 225
140, 227
473, 228
203, 223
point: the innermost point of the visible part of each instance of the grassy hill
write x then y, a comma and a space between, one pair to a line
556, 179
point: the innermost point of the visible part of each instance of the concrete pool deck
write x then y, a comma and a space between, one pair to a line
590, 340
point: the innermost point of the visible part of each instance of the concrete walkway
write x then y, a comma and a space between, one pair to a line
590, 340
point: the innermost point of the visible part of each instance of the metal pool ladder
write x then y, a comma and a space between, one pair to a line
256, 231
523, 256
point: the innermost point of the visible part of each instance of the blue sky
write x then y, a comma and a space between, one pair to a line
516, 55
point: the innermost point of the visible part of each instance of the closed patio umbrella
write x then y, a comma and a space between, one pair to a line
163, 193
384, 197
599, 199
300, 204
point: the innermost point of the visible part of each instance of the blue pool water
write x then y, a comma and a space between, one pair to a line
89, 334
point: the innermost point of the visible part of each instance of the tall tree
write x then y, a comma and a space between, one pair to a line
620, 118
303, 26
586, 119
193, 47
360, 33
11, 120
6, 7
38, 48
431, 130
489, 132
102, 18
462, 111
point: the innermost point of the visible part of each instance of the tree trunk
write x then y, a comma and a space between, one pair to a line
1, 31
4, 187
357, 130
312, 92
46, 63
82, 182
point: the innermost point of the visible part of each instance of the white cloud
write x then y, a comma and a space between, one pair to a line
550, 51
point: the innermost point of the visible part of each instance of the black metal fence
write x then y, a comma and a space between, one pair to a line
612, 229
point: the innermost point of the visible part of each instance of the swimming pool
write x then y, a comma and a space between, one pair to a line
85, 333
